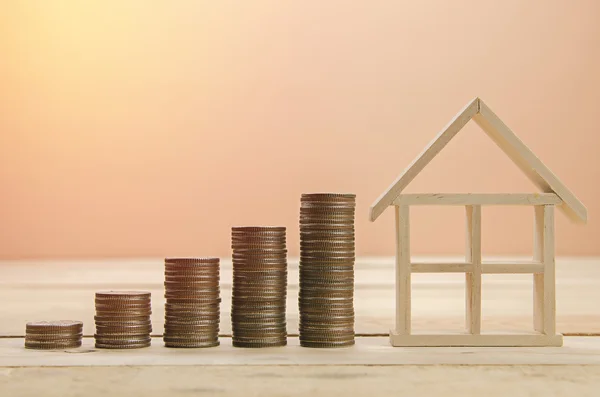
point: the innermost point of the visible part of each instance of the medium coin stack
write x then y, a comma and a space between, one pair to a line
326, 297
49, 335
192, 309
123, 319
259, 286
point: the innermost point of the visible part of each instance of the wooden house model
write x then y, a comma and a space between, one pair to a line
541, 267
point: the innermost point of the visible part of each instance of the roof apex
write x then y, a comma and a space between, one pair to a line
510, 144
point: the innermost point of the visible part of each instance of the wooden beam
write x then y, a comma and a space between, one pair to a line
441, 267
432, 149
544, 294
473, 279
531, 267
403, 279
477, 199
432, 339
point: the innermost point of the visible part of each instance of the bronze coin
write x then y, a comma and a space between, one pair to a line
191, 344
101, 345
54, 325
123, 294
327, 345
198, 260
259, 344
258, 229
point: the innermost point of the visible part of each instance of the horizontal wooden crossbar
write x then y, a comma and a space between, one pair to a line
495, 339
449, 267
524, 267
478, 199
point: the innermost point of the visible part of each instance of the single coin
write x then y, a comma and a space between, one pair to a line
101, 345
195, 322
124, 294
188, 295
258, 229
208, 306
190, 337
326, 345
110, 320
199, 260
191, 345
51, 325
123, 330
281, 343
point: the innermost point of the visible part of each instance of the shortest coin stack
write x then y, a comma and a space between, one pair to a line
49, 335
123, 319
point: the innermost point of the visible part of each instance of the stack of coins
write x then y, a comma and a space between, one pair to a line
192, 309
48, 335
123, 319
327, 270
259, 286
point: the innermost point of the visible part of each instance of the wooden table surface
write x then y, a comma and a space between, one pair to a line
44, 290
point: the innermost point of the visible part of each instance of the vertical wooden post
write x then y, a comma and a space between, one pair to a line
403, 282
473, 279
544, 294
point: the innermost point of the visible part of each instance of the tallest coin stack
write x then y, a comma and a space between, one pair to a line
327, 270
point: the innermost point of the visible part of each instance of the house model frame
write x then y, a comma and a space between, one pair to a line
542, 266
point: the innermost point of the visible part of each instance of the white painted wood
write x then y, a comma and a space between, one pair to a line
448, 339
441, 267
473, 278
529, 164
403, 279
434, 147
477, 199
514, 267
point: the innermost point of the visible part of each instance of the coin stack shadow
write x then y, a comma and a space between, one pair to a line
326, 296
50, 335
123, 319
259, 286
192, 308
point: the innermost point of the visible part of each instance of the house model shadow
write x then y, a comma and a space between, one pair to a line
542, 267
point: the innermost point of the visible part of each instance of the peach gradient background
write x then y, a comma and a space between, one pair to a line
136, 128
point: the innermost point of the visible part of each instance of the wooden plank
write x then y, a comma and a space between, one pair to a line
514, 267
473, 278
434, 147
538, 279
478, 340
549, 322
529, 164
403, 279
366, 351
441, 267
477, 199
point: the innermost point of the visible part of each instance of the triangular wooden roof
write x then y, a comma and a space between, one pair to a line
510, 144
